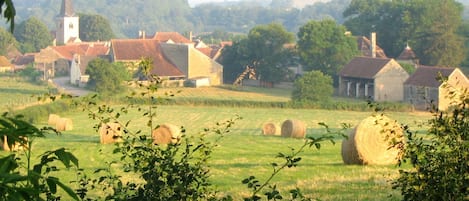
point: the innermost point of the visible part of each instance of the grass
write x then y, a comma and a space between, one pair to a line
15, 93
244, 152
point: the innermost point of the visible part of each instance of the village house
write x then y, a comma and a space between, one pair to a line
381, 79
58, 60
5, 65
424, 87
172, 61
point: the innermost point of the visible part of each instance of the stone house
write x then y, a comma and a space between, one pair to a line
172, 61
382, 79
424, 87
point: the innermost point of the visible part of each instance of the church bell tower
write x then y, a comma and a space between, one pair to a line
67, 24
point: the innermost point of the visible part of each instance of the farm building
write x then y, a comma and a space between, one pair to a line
424, 86
382, 79
5, 65
170, 60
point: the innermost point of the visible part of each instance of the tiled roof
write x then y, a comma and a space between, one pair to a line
209, 51
407, 54
364, 67
364, 46
171, 36
86, 49
427, 76
24, 59
136, 49
4, 62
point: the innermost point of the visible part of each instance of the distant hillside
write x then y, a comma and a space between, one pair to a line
127, 18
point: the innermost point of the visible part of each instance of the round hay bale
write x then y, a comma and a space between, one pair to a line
372, 141
293, 128
270, 129
64, 124
53, 118
349, 151
110, 133
166, 134
17, 146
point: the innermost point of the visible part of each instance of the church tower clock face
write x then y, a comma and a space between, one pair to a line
70, 26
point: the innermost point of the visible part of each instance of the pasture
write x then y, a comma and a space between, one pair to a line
245, 151
15, 93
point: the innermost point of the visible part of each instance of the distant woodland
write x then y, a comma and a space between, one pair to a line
129, 17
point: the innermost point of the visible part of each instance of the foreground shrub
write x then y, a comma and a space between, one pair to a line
21, 180
439, 159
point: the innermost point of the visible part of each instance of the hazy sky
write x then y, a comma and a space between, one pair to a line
194, 2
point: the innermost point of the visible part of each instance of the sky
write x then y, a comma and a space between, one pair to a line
195, 2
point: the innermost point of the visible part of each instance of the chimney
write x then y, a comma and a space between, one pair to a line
190, 36
373, 44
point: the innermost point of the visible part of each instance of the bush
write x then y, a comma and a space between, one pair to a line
439, 160
313, 86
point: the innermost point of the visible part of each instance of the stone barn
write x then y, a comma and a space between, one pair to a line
381, 79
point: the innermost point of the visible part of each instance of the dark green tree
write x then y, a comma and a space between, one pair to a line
95, 28
324, 46
32, 35
7, 42
8, 10
366, 16
313, 86
264, 50
430, 27
433, 26
106, 77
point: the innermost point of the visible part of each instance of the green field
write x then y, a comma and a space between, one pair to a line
15, 93
245, 151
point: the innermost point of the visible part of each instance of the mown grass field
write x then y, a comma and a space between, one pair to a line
17, 93
245, 151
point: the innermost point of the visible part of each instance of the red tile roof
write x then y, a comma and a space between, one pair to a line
364, 67
364, 45
427, 76
136, 49
86, 49
4, 62
407, 54
173, 36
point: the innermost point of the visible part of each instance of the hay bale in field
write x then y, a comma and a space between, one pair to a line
17, 146
293, 128
270, 129
349, 151
64, 124
110, 133
370, 142
53, 118
166, 134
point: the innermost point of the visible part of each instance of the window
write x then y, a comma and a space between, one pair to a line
70, 26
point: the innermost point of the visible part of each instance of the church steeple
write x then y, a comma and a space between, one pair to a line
67, 9
67, 24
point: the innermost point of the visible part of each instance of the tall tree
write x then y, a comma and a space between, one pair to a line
95, 28
429, 26
325, 46
32, 35
264, 50
7, 42
433, 26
